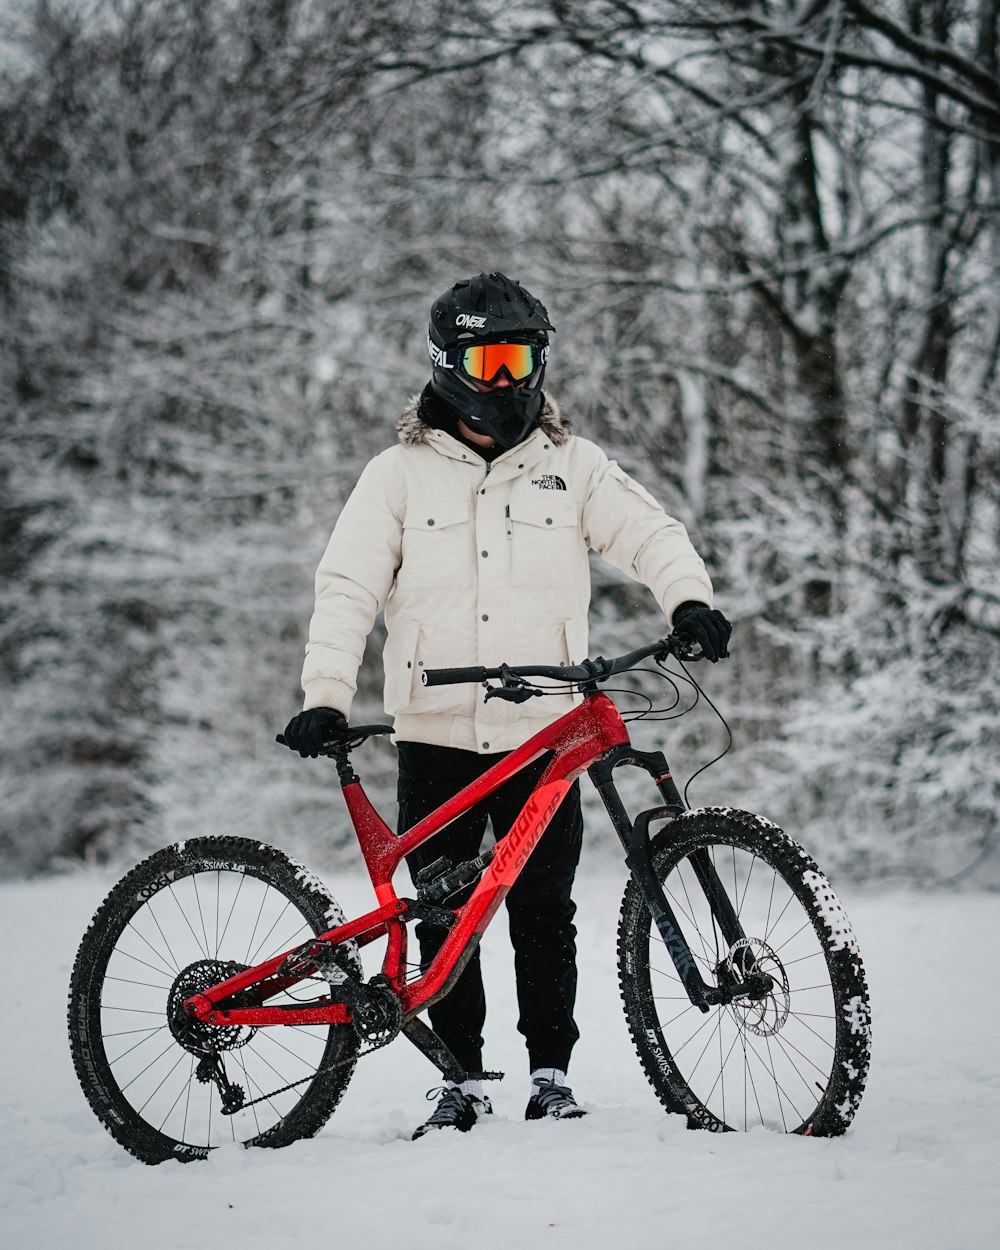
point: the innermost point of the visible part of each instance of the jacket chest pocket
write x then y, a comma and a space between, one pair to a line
546, 546
436, 544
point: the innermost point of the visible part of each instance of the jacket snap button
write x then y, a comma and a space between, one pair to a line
548, 520
485, 745
484, 553
430, 521
485, 617
409, 663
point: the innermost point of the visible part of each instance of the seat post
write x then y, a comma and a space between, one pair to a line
341, 753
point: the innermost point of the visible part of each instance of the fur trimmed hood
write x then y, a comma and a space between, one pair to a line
412, 427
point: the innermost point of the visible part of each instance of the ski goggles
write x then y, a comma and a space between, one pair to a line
483, 361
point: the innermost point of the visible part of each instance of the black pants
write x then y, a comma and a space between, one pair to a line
539, 906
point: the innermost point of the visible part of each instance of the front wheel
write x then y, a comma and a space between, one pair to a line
186, 918
794, 1058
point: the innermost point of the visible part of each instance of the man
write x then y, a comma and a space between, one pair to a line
472, 534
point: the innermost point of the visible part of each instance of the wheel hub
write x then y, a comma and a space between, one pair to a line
197, 1036
765, 1003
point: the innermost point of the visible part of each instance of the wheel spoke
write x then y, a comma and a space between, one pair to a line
184, 1089
232, 909
135, 1046
145, 984
130, 1032
180, 1059
246, 1076
142, 1072
689, 915
187, 1100
201, 917
160, 971
255, 958
173, 894
706, 1021
173, 967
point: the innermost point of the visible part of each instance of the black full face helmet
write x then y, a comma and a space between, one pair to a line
482, 331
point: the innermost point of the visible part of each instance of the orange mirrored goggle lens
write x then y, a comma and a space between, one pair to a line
484, 362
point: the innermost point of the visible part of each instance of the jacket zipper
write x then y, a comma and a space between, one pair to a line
510, 540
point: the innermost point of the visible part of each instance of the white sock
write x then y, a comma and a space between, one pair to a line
475, 1088
556, 1075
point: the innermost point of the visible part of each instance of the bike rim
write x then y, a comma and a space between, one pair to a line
176, 940
751, 1064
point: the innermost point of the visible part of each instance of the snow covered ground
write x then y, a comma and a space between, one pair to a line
919, 1168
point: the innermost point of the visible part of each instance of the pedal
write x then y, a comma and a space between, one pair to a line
299, 962
310, 958
316, 958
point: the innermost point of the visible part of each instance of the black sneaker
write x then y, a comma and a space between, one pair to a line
555, 1101
454, 1110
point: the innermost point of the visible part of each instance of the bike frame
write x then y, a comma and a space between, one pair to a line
592, 736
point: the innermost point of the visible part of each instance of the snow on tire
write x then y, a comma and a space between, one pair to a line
183, 919
796, 1059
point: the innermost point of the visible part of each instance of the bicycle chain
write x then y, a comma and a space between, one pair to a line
383, 1037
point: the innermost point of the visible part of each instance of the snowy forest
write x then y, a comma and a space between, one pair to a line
768, 235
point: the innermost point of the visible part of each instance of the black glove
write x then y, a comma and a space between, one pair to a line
707, 626
307, 732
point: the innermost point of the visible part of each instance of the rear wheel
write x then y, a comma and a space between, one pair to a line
793, 1058
182, 920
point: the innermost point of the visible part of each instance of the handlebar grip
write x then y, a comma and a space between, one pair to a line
451, 676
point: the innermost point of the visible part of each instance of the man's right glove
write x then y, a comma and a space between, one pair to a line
707, 626
307, 732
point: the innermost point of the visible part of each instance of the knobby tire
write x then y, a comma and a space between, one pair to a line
797, 1059
173, 926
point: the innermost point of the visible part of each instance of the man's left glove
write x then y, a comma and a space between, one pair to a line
707, 626
307, 732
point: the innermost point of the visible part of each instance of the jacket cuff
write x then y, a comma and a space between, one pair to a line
689, 588
328, 692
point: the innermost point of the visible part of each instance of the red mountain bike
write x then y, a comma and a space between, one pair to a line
218, 994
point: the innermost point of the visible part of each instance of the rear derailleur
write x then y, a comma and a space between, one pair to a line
233, 1096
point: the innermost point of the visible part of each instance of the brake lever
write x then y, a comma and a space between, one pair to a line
512, 688
512, 694
683, 648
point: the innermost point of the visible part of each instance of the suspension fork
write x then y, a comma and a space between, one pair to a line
634, 836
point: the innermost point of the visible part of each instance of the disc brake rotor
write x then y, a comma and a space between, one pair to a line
764, 1014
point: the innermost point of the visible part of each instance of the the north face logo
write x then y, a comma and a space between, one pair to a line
549, 482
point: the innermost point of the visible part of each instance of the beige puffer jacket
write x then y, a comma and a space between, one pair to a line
477, 563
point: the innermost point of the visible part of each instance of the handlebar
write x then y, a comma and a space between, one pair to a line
353, 737
679, 645
513, 686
